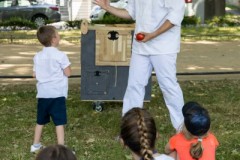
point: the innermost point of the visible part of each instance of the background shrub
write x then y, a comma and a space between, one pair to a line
16, 23
191, 21
74, 24
111, 19
227, 20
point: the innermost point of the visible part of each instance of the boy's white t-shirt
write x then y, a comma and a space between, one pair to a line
48, 67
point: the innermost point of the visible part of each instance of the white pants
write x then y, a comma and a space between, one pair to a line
140, 70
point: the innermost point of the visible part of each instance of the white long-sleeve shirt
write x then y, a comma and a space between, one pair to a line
149, 16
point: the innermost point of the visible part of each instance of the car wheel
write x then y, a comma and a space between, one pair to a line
39, 20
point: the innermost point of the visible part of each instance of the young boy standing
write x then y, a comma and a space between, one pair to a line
51, 69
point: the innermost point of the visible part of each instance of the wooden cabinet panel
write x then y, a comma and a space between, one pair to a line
113, 49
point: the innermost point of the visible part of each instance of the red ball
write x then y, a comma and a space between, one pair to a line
140, 36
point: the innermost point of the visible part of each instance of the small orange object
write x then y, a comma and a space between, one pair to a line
140, 36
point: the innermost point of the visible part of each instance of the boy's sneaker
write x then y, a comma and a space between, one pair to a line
36, 149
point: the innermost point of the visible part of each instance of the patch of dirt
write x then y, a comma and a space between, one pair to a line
199, 56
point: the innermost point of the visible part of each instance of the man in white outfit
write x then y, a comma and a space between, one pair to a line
160, 22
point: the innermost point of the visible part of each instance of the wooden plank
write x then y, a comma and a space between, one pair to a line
113, 52
108, 27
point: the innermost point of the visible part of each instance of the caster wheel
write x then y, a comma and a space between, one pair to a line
98, 106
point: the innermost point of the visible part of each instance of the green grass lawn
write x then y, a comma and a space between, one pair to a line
29, 36
92, 134
211, 33
73, 36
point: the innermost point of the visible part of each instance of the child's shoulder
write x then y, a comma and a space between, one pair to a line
212, 136
177, 138
56, 52
179, 135
55, 49
61, 52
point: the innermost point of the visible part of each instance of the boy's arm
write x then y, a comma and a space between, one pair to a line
34, 68
167, 149
166, 26
67, 71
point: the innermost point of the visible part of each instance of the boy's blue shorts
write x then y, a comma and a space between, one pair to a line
54, 108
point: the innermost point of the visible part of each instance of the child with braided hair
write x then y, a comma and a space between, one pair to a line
138, 133
194, 142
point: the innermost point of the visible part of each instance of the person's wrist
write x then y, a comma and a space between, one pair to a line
107, 8
153, 35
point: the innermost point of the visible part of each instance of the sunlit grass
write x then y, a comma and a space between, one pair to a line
73, 36
29, 36
92, 135
211, 33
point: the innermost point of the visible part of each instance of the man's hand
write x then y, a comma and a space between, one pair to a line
102, 3
147, 37
119, 12
166, 26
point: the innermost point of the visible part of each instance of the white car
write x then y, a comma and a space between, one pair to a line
37, 12
98, 13
189, 8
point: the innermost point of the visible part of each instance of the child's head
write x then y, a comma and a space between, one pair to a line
56, 152
138, 132
48, 36
196, 125
196, 119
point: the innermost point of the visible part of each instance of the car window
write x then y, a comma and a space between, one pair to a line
23, 3
5, 3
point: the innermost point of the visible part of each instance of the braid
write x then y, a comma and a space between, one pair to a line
146, 150
196, 150
138, 131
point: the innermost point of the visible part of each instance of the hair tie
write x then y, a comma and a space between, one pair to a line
199, 139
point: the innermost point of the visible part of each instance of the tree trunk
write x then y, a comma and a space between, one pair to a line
214, 8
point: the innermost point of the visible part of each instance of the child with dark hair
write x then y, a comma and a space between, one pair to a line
56, 152
51, 68
194, 142
138, 133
